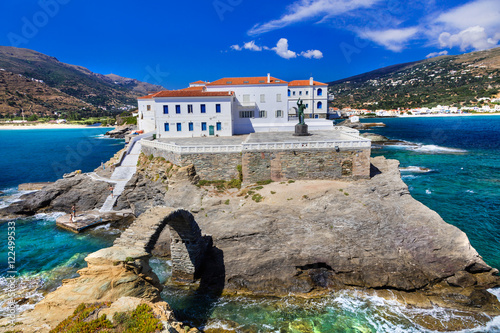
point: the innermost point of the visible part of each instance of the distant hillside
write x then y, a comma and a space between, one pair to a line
97, 91
447, 80
20, 94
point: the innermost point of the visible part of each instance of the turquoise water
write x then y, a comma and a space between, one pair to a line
44, 253
463, 187
463, 154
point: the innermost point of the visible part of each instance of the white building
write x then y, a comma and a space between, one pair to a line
231, 106
312, 93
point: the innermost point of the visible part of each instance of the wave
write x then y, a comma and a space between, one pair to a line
426, 149
428, 191
415, 169
11, 195
438, 149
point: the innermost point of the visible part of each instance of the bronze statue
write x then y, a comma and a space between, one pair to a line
301, 112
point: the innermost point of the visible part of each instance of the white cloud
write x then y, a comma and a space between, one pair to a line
436, 54
251, 46
474, 25
473, 37
303, 10
392, 39
485, 13
282, 50
316, 54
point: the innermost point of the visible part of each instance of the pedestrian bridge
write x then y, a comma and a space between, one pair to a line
187, 245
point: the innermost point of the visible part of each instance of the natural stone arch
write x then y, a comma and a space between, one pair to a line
187, 244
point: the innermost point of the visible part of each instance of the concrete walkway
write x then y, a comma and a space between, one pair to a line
121, 176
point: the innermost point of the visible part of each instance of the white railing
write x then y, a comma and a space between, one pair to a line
307, 145
334, 144
192, 149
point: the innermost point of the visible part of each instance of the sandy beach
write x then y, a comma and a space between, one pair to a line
44, 126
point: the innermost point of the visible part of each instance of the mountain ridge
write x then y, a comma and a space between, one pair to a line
98, 91
457, 80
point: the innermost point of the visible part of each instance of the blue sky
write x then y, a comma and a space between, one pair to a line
172, 43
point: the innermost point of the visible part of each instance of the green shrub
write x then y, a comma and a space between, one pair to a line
258, 188
240, 171
264, 182
291, 181
257, 197
131, 120
272, 192
234, 183
226, 202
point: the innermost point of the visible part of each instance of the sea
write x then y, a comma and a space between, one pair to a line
450, 164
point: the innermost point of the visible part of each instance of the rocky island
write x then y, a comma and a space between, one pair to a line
304, 238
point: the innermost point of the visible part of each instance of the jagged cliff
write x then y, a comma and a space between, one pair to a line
305, 238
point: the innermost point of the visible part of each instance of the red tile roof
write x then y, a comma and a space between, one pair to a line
199, 82
245, 80
305, 83
184, 93
197, 88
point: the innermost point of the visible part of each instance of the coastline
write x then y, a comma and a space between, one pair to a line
48, 126
446, 115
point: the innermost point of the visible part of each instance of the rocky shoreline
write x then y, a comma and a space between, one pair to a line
304, 238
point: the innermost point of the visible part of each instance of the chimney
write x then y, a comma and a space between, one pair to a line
268, 77
311, 81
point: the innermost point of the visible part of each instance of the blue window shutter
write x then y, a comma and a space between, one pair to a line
203, 126
165, 109
179, 127
203, 108
167, 127
190, 126
217, 108
219, 126
177, 109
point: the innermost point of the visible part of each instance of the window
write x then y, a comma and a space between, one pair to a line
217, 108
307, 92
278, 97
300, 93
190, 108
167, 127
279, 113
246, 114
203, 126
294, 93
320, 92
246, 98
219, 126
307, 105
262, 114
148, 107
289, 92
165, 109
320, 105
262, 98
203, 108
316, 116
179, 127
190, 127
177, 109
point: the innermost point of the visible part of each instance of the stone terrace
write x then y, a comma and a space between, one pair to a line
333, 154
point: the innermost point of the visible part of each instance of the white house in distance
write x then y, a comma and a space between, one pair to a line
232, 106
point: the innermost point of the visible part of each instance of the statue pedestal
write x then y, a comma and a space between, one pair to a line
301, 130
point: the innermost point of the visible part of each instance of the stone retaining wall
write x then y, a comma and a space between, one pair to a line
277, 165
209, 166
305, 164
